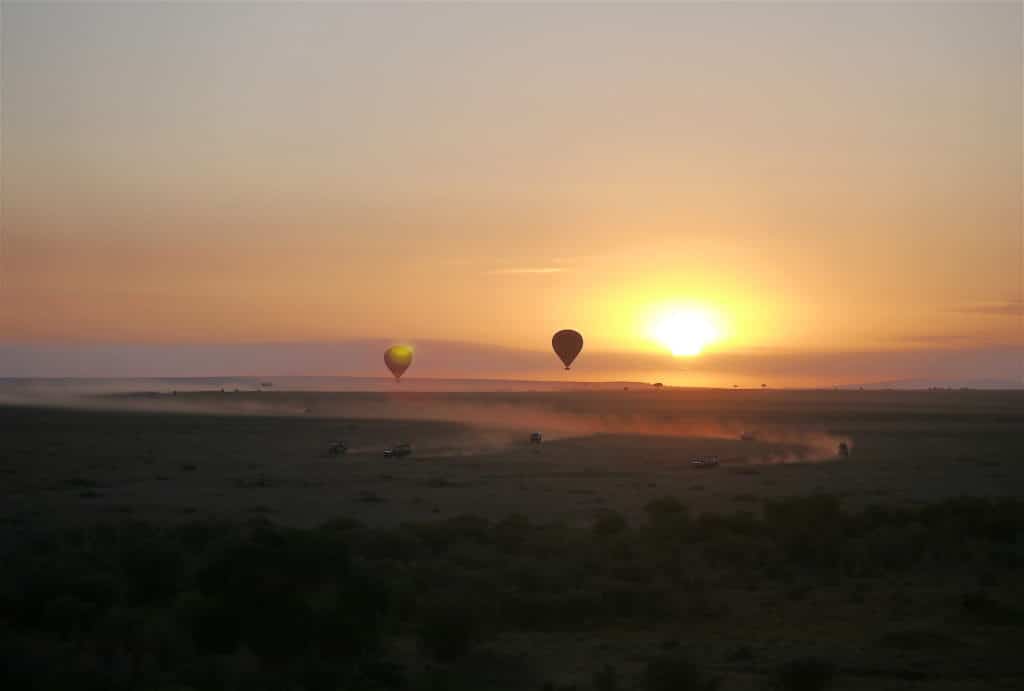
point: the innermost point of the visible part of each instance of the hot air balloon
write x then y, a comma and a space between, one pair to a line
567, 344
398, 358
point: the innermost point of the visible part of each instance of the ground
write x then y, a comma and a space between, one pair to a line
172, 460
243, 453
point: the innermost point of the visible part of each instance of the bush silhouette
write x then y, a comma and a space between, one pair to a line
609, 523
215, 627
675, 672
448, 629
606, 679
803, 674
225, 605
279, 628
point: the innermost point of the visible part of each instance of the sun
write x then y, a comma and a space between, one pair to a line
685, 332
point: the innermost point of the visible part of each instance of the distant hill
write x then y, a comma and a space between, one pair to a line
987, 383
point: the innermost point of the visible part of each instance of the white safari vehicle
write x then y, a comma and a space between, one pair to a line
704, 461
398, 450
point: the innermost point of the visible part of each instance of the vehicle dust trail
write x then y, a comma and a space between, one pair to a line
497, 425
493, 426
489, 426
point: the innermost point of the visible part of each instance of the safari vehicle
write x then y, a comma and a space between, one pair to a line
704, 462
398, 450
337, 448
536, 438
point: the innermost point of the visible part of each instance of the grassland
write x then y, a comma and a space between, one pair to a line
209, 541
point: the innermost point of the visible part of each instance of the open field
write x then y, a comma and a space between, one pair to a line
239, 454
208, 540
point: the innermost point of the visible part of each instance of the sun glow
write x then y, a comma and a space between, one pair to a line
685, 332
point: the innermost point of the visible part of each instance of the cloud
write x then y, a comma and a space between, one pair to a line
531, 270
1009, 308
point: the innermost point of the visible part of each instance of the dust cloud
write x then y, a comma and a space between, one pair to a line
485, 422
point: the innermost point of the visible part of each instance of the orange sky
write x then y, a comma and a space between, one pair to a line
821, 178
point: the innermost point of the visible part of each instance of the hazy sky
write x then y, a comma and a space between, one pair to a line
820, 177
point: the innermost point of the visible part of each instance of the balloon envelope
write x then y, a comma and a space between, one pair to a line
567, 344
398, 358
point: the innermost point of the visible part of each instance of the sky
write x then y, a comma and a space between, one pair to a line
835, 188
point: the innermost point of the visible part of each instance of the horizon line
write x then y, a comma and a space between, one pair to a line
873, 386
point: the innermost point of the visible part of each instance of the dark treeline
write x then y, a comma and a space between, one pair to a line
932, 590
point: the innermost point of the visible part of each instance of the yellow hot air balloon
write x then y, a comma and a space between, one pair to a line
567, 344
398, 358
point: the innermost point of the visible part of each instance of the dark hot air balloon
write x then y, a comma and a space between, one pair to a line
567, 344
398, 358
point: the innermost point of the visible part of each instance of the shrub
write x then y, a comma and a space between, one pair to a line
606, 679
151, 570
743, 653
608, 523
809, 529
448, 630
982, 607
279, 628
666, 507
216, 628
512, 533
803, 674
667, 518
675, 673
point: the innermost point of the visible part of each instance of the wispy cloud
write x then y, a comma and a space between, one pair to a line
1007, 308
528, 270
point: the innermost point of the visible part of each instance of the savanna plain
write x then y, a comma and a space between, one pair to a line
262, 540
